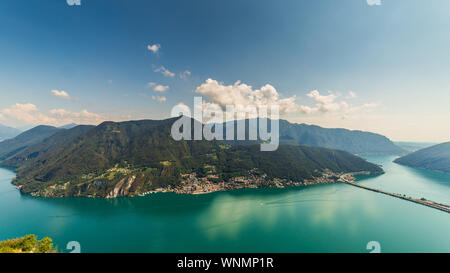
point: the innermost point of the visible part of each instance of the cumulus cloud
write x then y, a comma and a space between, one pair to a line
373, 2
242, 94
324, 103
29, 113
64, 116
181, 109
164, 71
159, 99
329, 103
154, 48
157, 87
61, 94
160, 88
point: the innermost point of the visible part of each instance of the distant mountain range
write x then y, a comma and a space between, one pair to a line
8, 132
68, 126
355, 142
435, 158
413, 146
52, 139
131, 158
35, 135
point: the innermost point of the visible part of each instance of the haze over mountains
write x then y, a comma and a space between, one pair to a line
8, 132
36, 148
435, 158
356, 142
413, 146
352, 141
35, 135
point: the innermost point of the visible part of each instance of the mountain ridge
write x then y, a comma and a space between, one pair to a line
7, 132
135, 157
353, 141
35, 135
435, 158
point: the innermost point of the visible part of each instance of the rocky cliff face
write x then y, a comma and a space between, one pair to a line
122, 188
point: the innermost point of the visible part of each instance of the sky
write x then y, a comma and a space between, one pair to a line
375, 65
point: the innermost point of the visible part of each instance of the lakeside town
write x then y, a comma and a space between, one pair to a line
192, 184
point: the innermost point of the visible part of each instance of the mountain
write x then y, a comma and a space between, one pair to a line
135, 157
47, 145
35, 135
435, 158
352, 141
8, 132
413, 146
355, 142
68, 126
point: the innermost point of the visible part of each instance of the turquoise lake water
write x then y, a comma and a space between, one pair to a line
320, 218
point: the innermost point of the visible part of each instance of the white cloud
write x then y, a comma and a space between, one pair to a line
64, 116
329, 103
373, 2
154, 48
158, 98
184, 108
351, 95
60, 94
243, 94
160, 88
165, 72
240, 94
28, 113
157, 87
185, 74
323, 103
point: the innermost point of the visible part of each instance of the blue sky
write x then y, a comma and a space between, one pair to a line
382, 68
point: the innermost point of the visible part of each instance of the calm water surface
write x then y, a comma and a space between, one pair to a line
321, 218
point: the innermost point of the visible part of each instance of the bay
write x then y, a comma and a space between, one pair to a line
319, 218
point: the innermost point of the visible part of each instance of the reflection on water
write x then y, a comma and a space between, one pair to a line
321, 218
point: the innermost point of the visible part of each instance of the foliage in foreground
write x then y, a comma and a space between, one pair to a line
28, 244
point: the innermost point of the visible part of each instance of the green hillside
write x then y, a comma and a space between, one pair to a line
435, 158
352, 141
35, 135
47, 145
94, 162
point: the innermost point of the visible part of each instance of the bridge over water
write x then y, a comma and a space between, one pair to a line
422, 201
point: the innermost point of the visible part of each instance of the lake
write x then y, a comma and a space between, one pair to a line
320, 218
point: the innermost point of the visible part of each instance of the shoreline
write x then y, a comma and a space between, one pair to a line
193, 185
421, 168
197, 188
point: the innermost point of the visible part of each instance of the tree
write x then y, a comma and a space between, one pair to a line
6, 250
45, 245
27, 243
